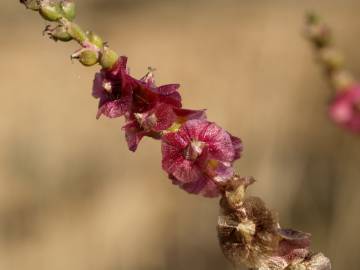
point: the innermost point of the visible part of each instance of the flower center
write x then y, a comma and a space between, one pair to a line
147, 122
193, 150
107, 86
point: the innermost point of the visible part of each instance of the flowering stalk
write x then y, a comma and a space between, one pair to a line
344, 107
61, 14
198, 155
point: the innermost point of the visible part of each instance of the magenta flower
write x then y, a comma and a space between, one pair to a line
121, 94
167, 93
199, 156
155, 121
345, 109
114, 88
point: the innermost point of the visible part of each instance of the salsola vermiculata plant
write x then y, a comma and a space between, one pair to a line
344, 107
198, 155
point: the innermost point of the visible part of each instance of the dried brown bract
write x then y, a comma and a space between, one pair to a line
250, 234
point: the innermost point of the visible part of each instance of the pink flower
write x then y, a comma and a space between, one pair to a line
345, 109
121, 94
167, 93
114, 88
155, 121
199, 156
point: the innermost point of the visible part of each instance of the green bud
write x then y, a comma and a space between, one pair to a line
108, 58
342, 79
95, 39
88, 58
51, 11
68, 9
331, 58
76, 32
61, 34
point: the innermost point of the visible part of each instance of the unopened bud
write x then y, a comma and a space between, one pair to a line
88, 58
61, 34
108, 58
342, 80
95, 39
331, 58
68, 9
51, 11
76, 32
319, 34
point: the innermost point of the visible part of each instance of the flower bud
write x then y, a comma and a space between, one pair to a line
68, 9
51, 11
76, 32
88, 58
95, 39
342, 80
108, 58
61, 34
319, 34
331, 58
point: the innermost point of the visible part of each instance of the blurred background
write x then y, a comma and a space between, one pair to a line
73, 197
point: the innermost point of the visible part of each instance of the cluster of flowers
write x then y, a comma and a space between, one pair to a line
344, 108
197, 154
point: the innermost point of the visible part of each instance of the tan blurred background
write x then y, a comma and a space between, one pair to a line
73, 197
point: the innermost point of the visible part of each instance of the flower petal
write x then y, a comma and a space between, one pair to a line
133, 135
115, 108
204, 186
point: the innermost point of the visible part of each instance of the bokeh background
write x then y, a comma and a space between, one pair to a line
73, 197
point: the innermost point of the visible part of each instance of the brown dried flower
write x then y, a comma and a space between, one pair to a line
250, 234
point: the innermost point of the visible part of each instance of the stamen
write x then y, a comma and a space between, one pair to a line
194, 150
107, 86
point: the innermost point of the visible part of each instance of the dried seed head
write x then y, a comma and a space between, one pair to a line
235, 190
248, 234
315, 261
